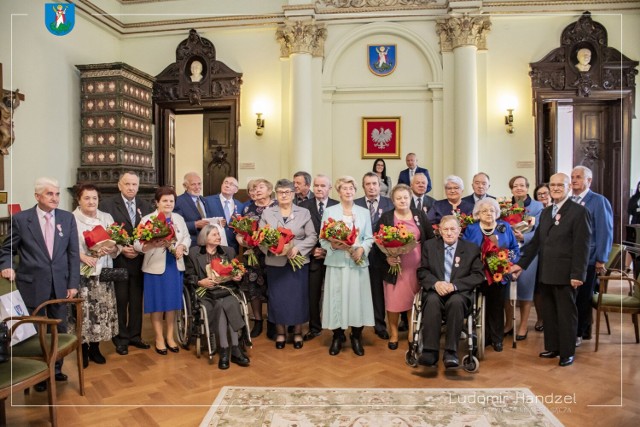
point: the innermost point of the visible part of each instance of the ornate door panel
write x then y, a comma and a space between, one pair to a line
220, 150
169, 148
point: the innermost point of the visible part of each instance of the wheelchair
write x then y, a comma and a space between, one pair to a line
473, 333
192, 323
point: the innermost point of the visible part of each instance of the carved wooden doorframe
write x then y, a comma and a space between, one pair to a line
196, 83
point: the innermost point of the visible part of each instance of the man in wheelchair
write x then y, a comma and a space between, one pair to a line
449, 272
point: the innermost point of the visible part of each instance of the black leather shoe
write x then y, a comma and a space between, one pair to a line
402, 326
428, 358
311, 335
161, 351
175, 349
122, 350
382, 334
95, 355
238, 357
257, 328
60, 377
509, 332
356, 345
392, 345
223, 363
539, 327
549, 354
497, 346
451, 361
566, 361
140, 344
271, 330
522, 337
336, 345
280, 341
85, 356
42, 386
297, 341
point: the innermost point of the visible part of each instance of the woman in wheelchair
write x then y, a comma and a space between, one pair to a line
223, 309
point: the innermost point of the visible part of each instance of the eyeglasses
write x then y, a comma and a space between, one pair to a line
452, 188
487, 211
545, 194
284, 193
448, 230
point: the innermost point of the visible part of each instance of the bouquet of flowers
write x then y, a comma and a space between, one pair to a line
497, 262
338, 232
118, 234
279, 241
156, 228
463, 219
515, 215
395, 241
95, 239
247, 228
222, 271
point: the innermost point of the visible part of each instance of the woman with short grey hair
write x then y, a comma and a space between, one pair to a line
453, 188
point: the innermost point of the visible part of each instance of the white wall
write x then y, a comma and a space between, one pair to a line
189, 155
47, 123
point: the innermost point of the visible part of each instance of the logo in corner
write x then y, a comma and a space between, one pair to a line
59, 18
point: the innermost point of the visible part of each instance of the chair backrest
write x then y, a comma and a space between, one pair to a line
614, 257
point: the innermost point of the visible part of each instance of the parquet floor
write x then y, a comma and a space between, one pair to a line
146, 389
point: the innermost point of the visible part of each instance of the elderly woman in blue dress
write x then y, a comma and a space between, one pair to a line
347, 291
527, 280
487, 226
288, 291
453, 188
163, 267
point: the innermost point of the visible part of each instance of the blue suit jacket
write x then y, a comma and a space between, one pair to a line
471, 200
37, 273
213, 206
384, 204
601, 220
442, 208
404, 178
186, 208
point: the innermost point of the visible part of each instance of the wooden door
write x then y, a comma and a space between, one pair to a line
598, 145
220, 149
169, 152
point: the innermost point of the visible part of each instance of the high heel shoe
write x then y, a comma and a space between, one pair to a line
522, 337
161, 351
280, 344
539, 327
393, 345
175, 349
297, 341
509, 332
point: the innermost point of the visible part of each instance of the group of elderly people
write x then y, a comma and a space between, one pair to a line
347, 302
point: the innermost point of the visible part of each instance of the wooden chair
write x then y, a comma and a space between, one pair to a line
606, 303
21, 373
67, 342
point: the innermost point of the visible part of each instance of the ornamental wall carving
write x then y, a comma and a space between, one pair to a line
301, 37
359, 4
463, 31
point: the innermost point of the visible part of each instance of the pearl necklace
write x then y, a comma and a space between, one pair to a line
487, 233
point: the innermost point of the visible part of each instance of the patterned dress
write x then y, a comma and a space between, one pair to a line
100, 321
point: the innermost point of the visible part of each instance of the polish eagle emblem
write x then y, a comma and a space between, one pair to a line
381, 137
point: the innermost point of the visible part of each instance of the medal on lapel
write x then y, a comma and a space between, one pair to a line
557, 219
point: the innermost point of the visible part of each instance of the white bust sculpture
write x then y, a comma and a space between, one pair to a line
196, 71
584, 57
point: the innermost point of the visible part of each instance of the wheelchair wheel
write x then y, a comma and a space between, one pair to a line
184, 319
470, 364
480, 330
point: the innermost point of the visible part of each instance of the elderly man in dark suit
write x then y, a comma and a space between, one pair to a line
406, 175
46, 240
316, 206
480, 184
128, 209
449, 272
191, 205
601, 220
376, 205
419, 198
223, 206
561, 242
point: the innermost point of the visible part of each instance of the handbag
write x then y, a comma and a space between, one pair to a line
114, 275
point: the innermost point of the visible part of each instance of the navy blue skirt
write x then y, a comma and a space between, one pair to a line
288, 295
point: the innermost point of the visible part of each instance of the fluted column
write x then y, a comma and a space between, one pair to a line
300, 41
464, 35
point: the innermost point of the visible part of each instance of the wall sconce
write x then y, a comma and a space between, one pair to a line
259, 124
508, 121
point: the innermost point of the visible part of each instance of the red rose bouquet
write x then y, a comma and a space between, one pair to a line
279, 241
156, 227
95, 239
497, 262
515, 215
247, 229
338, 232
221, 271
395, 241
118, 234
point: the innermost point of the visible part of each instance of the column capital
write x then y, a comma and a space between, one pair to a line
463, 30
301, 36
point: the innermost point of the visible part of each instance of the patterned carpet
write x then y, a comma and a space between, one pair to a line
302, 407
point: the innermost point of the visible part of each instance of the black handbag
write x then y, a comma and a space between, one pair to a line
114, 275
5, 339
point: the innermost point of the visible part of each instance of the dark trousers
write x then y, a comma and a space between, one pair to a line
55, 311
583, 301
453, 307
129, 306
560, 317
316, 279
494, 312
376, 274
